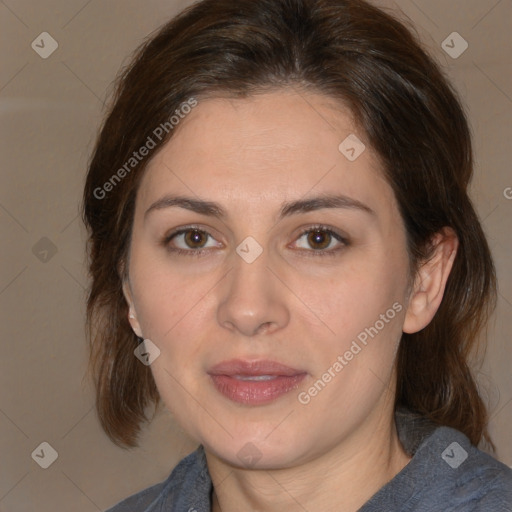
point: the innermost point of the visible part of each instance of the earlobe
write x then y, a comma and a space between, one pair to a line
132, 315
430, 282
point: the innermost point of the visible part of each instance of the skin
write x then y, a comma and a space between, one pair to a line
289, 305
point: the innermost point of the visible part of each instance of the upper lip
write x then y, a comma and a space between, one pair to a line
261, 367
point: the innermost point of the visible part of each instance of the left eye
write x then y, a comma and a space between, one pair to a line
321, 239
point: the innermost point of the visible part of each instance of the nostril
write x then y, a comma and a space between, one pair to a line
263, 328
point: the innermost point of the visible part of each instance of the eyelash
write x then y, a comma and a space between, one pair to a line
312, 252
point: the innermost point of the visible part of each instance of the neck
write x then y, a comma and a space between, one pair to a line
343, 478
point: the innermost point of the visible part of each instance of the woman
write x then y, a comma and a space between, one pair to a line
277, 205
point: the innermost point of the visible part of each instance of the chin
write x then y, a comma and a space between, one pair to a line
258, 453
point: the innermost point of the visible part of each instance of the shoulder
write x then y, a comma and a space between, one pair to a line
189, 475
446, 473
480, 482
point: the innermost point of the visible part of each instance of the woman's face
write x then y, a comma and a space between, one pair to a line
252, 285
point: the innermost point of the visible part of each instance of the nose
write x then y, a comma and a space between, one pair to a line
253, 301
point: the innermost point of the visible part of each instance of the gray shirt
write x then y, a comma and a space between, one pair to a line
446, 473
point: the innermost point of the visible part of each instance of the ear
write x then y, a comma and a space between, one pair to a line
132, 315
430, 281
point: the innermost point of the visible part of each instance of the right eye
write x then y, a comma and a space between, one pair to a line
189, 241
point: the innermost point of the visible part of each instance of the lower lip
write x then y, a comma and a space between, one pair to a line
250, 392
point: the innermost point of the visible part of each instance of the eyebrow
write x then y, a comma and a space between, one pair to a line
288, 209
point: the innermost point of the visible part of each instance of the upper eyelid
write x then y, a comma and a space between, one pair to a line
180, 231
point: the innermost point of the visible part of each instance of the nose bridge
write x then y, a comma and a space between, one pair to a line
251, 298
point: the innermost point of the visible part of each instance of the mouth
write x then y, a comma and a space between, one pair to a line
254, 382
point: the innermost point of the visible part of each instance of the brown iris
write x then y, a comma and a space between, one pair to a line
195, 238
319, 239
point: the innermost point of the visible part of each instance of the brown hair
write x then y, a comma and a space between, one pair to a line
354, 53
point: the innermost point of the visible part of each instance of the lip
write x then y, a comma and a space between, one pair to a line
228, 376
261, 367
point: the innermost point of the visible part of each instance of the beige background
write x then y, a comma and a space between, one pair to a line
50, 109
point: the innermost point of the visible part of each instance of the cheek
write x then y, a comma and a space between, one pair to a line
363, 308
175, 311
167, 306
356, 295
164, 297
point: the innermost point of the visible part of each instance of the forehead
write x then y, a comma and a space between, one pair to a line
267, 148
